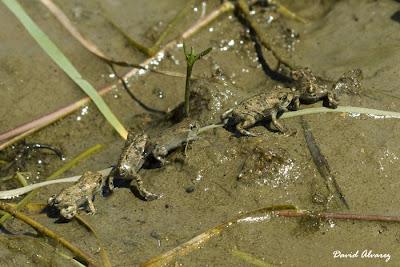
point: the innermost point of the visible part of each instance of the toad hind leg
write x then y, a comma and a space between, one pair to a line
137, 184
247, 123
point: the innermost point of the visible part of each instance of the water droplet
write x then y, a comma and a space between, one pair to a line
159, 93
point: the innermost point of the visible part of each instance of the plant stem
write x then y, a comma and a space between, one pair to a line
187, 89
191, 58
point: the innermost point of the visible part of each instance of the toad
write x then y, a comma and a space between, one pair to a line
78, 196
173, 137
264, 106
132, 158
309, 90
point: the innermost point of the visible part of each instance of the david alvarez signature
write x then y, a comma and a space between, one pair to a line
365, 254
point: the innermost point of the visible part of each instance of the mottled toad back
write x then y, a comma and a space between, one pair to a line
260, 107
80, 195
310, 89
174, 137
132, 158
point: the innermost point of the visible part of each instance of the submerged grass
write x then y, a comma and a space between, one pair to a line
62, 61
247, 257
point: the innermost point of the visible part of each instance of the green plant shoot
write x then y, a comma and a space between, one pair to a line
191, 58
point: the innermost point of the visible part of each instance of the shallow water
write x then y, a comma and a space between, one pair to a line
363, 152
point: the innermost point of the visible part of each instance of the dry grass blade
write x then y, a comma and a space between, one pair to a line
39, 207
103, 253
63, 19
249, 258
286, 12
47, 232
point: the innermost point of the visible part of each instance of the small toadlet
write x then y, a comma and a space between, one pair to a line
258, 108
78, 196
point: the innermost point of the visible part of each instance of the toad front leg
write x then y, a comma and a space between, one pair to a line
330, 100
90, 209
276, 123
137, 185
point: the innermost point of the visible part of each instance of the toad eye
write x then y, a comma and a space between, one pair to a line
283, 98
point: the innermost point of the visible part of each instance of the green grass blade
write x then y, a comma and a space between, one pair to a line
62, 61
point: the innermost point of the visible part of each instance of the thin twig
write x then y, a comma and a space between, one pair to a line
46, 231
137, 100
191, 58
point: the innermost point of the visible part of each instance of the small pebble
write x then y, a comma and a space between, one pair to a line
189, 189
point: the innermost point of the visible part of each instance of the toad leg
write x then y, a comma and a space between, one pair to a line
276, 123
330, 101
137, 185
69, 212
90, 206
110, 179
247, 123
295, 104
225, 115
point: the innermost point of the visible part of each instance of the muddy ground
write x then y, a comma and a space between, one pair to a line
202, 189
